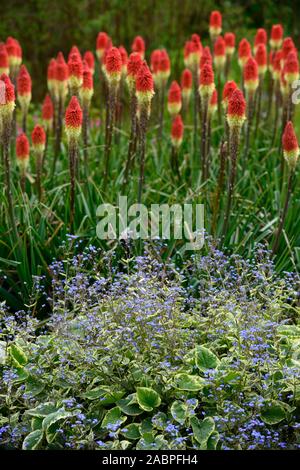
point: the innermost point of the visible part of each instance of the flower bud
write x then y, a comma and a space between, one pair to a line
290, 145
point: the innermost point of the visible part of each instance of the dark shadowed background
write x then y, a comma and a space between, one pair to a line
44, 27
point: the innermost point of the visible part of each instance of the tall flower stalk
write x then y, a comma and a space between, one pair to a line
75, 73
144, 94
24, 86
186, 89
206, 89
261, 60
133, 66
6, 115
177, 131
236, 116
47, 118
86, 94
22, 154
73, 125
38, 138
62, 74
291, 154
229, 39
251, 82
113, 70
219, 63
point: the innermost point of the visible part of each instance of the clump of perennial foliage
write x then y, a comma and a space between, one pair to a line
150, 356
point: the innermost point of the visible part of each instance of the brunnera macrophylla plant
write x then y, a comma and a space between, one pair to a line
133, 359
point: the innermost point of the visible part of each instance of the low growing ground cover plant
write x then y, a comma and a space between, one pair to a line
150, 356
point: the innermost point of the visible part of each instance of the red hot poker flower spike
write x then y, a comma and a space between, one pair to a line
229, 88
133, 65
260, 38
251, 75
174, 99
7, 107
22, 151
89, 58
291, 68
276, 36
75, 69
73, 119
244, 52
4, 64
138, 46
290, 145
206, 57
87, 87
38, 137
144, 87
219, 53
236, 114
101, 44
261, 59
207, 84
124, 57
215, 24
177, 131
213, 104
113, 66
229, 39
47, 112
164, 68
